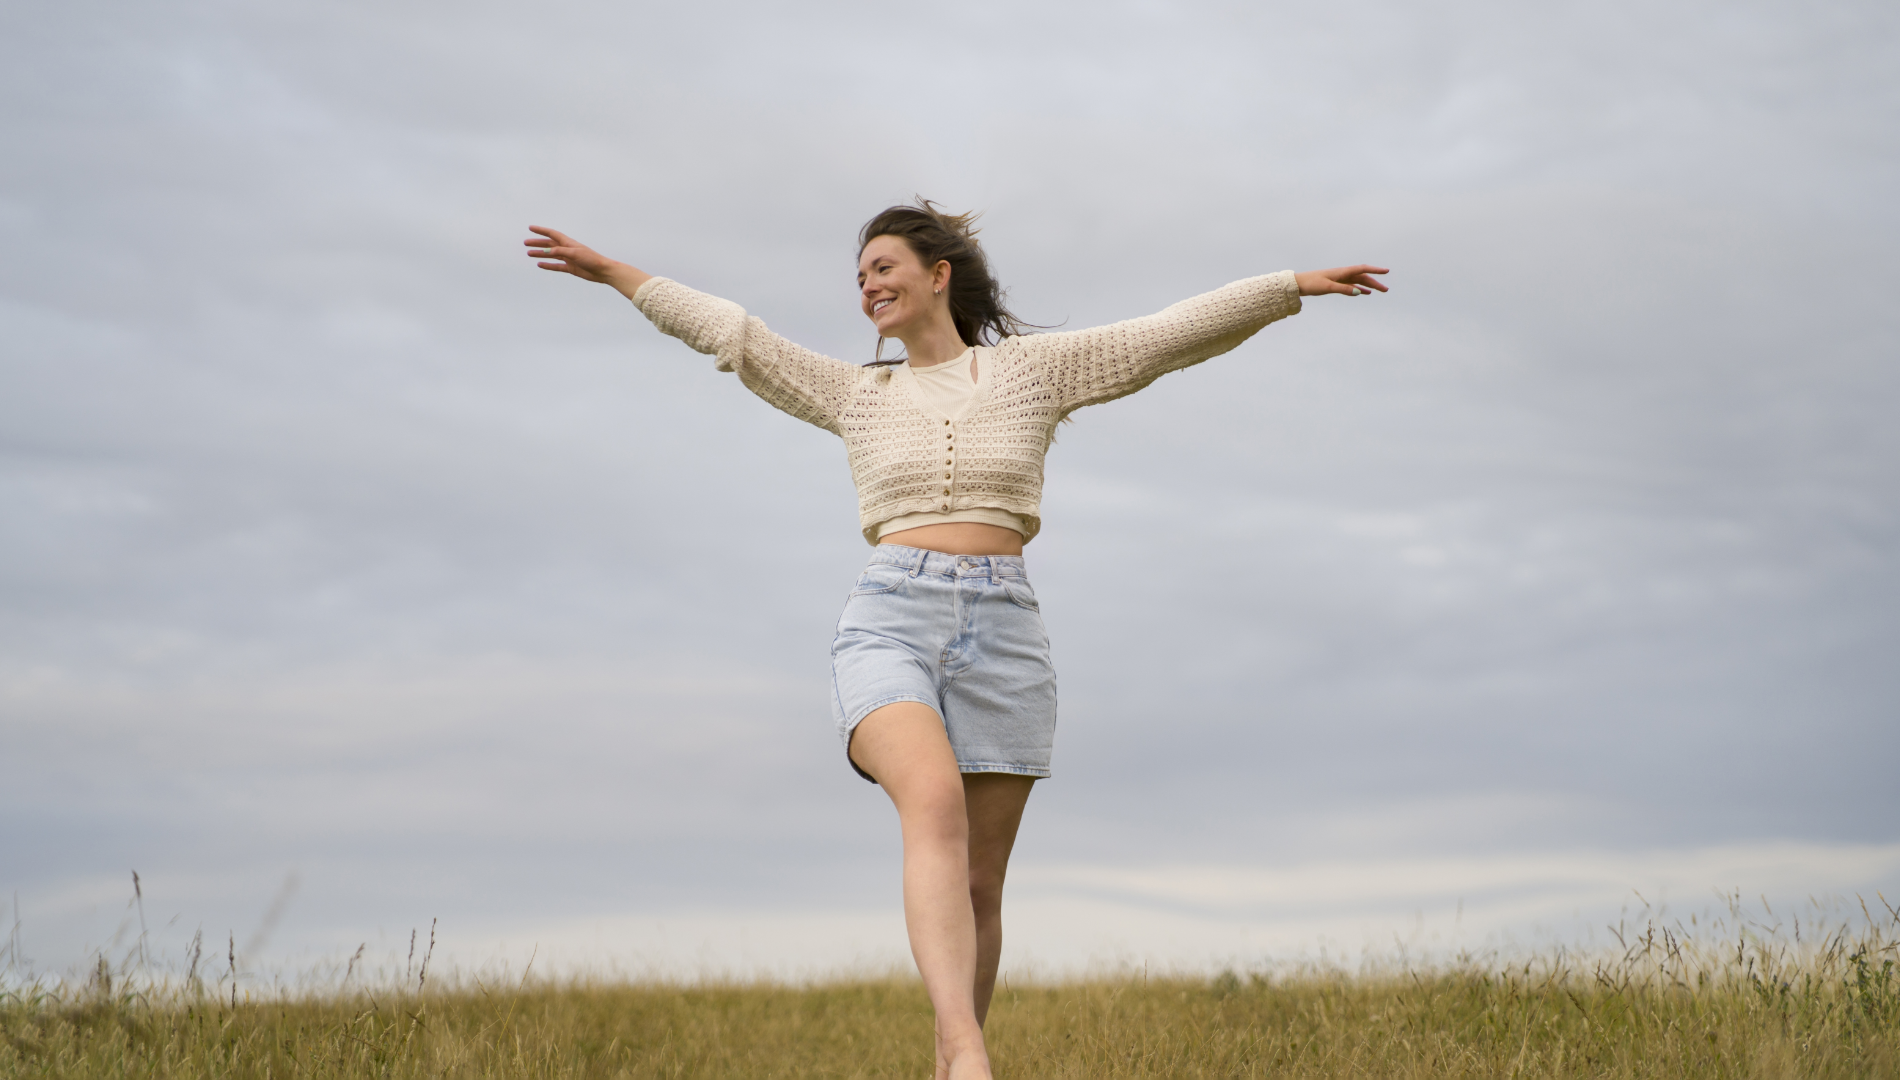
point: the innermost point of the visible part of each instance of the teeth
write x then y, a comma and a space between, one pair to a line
880, 306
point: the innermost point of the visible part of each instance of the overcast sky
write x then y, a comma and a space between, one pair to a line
348, 560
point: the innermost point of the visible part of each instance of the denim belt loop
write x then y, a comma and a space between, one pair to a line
996, 579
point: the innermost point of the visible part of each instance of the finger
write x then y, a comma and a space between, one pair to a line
566, 250
1358, 280
555, 237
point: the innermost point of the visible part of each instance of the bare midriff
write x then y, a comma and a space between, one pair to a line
960, 538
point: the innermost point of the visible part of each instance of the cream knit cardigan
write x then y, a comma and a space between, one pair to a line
907, 458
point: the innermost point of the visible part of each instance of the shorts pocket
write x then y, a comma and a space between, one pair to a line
1020, 591
881, 578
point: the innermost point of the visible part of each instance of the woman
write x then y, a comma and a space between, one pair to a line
941, 682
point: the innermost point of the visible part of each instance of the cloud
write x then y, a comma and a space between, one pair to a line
343, 542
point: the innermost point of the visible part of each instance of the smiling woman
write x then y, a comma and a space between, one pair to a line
942, 688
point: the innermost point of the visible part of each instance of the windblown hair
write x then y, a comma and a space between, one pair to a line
976, 300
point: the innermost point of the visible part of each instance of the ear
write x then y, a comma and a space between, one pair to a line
940, 276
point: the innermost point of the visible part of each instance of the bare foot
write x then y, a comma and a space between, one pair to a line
968, 1062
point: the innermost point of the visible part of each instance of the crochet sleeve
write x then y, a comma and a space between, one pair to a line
789, 377
1089, 367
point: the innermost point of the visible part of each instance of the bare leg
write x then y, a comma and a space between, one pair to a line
995, 802
904, 746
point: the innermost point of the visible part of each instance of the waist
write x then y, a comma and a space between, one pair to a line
957, 538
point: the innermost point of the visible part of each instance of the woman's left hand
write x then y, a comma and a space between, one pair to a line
1349, 280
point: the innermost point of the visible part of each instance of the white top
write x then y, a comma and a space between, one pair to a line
949, 387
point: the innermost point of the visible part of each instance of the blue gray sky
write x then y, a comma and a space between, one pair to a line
348, 560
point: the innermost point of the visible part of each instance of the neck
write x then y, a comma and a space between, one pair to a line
939, 344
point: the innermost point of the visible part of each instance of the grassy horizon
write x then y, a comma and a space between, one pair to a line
1732, 998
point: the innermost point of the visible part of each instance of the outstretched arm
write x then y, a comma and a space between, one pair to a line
810, 387
1092, 366
567, 255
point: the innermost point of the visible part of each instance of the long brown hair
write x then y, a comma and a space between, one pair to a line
976, 300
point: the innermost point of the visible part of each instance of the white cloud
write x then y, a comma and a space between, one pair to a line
342, 541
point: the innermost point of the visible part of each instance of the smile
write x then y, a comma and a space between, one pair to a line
881, 305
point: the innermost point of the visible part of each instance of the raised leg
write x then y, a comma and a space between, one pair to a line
904, 746
995, 802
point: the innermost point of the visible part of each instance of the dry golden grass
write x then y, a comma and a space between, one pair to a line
1744, 1005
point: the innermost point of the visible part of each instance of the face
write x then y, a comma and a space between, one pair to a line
895, 290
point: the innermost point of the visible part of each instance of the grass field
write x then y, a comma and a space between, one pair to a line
1732, 999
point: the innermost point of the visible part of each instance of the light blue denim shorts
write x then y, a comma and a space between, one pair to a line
960, 633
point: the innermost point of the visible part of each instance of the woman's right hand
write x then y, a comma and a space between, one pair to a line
1348, 280
565, 254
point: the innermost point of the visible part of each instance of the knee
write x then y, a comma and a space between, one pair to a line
936, 812
986, 891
